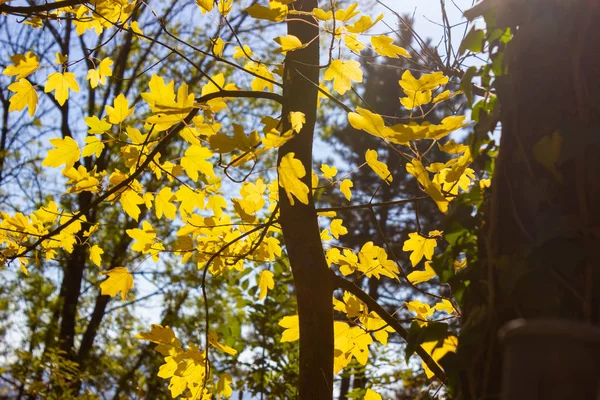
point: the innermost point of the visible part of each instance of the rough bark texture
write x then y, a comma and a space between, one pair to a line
299, 222
539, 252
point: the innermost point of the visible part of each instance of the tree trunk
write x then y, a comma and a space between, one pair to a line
299, 222
538, 254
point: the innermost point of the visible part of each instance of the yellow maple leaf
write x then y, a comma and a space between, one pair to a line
60, 58
297, 119
23, 65
290, 171
244, 51
415, 99
265, 282
99, 75
292, 328
363, 24
384, 46
259, 84
163, 204
218, 47
437, 352
369, 122
426, 82
345, 188
25, 96
417, 277
60, 84
348, 13
337, 229
380, 168
93, 145
194, 161
445, 306
120, 111
328, 172
96, 254
205, 5
343, 73
224, 385
119, 280
351, 41
420, 247
288, 43
129, 201
276, 12
372, 395
213, 340
97, 126
67, 152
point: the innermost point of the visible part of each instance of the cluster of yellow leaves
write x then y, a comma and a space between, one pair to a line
423, 311
350, 340
186, 369
371, 261
19, 230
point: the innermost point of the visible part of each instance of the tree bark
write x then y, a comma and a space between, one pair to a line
299, 222
538, 254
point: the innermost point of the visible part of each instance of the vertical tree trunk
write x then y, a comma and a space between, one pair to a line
299, 222
539, 254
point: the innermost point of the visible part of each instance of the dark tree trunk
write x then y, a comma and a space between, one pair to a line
299, 222
542, 225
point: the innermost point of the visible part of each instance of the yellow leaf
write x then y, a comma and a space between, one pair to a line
265, 282
120, 111
345, 188
328, 172
259, 84
163, 204
372, 395
351, 42
93, 145
343, 73
369, 122
417, 277
288, 43
119, 280
99, 74
384, 46
380, 168
216, 204
290, 171
348, 13
244, 51
205, 5
224, 385
23, 65
135, 27
325, 236
25, 96
218, 47
437, 352
423, 310
433, 189
96, 254
194, 161
213, 340
547, 151
276, 12
445, 306
322, 15
363, 24
225, 7
415, 99
420, 247
66, 152
445, 95
61, 83
129, 201
61, 58
337, 229
97, 126
297, 120
292, 328
426, 82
